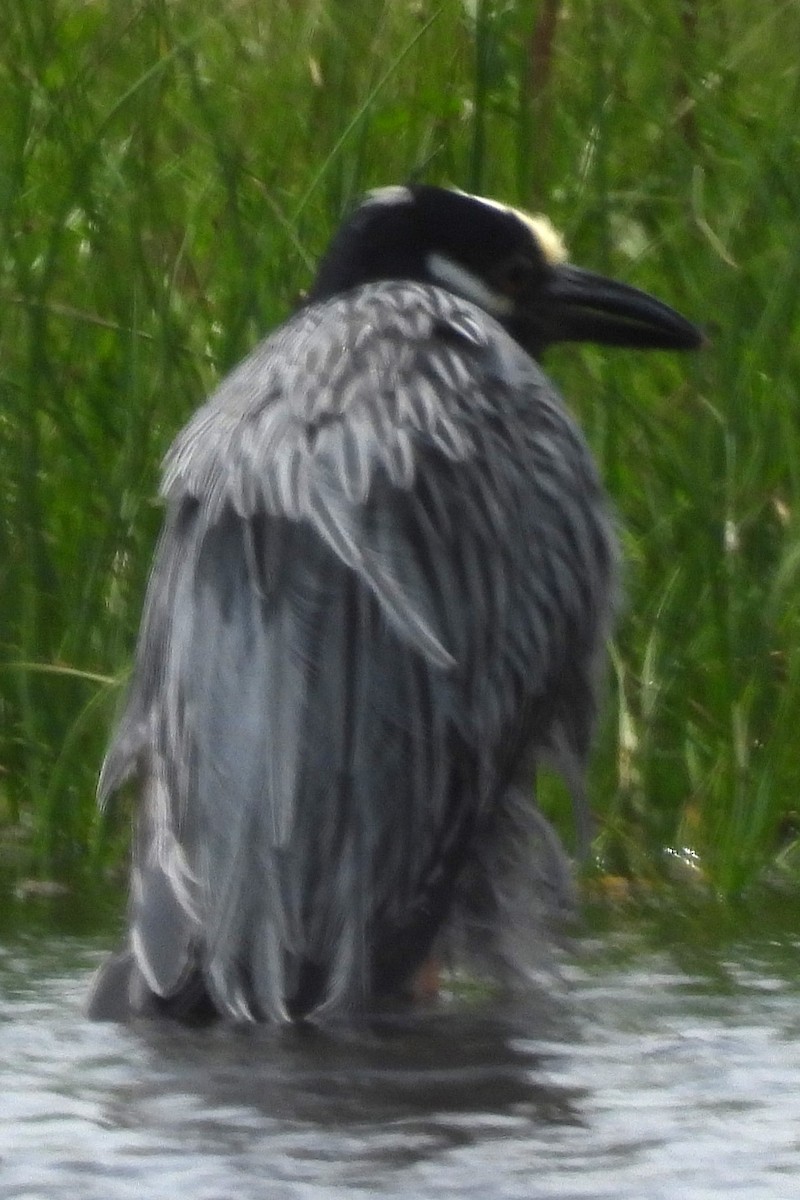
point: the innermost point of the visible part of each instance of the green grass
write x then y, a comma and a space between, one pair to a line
169, 172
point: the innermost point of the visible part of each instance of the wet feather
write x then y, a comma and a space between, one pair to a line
368, 579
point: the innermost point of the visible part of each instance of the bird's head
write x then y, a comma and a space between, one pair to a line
512, 265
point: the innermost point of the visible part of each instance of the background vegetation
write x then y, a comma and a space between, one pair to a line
169, 172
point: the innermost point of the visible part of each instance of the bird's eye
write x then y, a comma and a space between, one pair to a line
517, 276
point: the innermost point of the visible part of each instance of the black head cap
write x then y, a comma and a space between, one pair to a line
510, 264
396, 230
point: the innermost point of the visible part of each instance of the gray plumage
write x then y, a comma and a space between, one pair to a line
379, 600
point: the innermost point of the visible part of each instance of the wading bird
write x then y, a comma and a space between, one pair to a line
379, 600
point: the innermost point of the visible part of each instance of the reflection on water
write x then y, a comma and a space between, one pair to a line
640, 1080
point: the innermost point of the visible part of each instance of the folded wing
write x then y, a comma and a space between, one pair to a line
379, 594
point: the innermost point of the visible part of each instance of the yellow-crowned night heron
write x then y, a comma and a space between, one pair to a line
380, 598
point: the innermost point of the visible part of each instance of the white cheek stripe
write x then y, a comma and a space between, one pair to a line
461, 281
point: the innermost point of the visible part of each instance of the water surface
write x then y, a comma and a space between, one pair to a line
647, 1074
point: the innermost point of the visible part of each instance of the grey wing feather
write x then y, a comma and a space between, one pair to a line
367, 578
